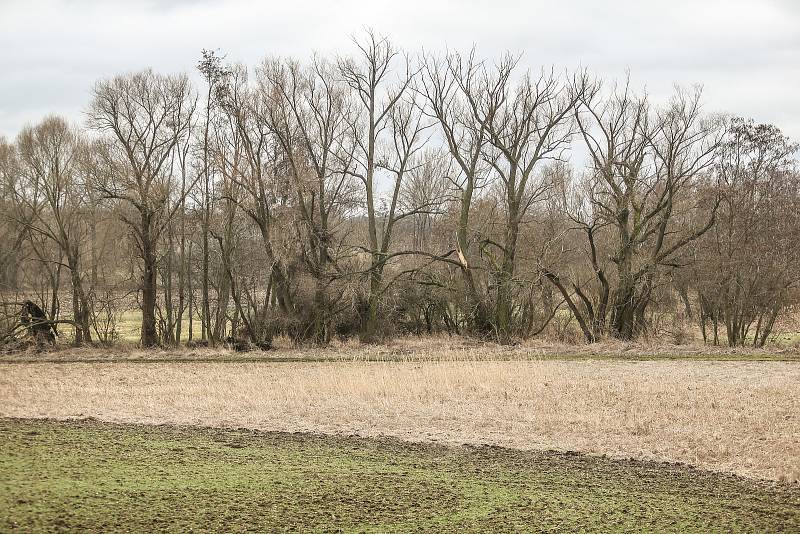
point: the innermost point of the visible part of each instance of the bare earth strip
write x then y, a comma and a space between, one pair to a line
739, 417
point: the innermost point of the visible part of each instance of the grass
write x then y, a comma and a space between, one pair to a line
783, 346
413, 349
738, 417
129, 326
99, 477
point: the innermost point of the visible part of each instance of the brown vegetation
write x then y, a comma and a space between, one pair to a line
740, 417
378, 193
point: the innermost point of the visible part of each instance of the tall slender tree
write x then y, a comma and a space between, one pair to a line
145, 115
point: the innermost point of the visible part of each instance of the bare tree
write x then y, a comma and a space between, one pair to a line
645, 166
446, 84
145, 116
54, 195
12, 233
310, 113
257, 176
384, 108
214, 72
745, 271
505, 130
376, 193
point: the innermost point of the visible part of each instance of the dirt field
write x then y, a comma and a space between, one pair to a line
99, 477
737, 417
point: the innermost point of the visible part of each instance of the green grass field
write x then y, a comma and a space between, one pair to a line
100, 477
129, 326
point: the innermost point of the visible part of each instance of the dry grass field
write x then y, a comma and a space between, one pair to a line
416, 349
740, 417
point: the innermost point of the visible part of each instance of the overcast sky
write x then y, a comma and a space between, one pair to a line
746, 53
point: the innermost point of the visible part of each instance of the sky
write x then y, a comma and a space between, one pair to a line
745, 53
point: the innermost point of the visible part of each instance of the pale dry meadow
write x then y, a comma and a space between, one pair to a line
739, 417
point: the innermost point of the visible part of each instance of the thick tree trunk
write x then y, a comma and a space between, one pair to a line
478, 322
505, 299
221, 319
322, 315
625, 304
504, 309
80, 306
224, 285
624, 313
372, 333
505, 291
321, 334
149, 334
279, 281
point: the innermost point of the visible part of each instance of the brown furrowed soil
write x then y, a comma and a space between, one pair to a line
738, 417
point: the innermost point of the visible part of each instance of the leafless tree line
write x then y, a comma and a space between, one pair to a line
381, 193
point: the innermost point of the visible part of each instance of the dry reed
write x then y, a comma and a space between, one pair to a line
739, 417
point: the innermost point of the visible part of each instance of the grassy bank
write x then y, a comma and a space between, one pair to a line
98, 476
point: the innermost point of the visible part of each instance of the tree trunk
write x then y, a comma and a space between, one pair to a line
505, 297
80, 305
623, 316
477, 315
321, 331
169, 326
205, 313
190, 290
503, 312
372, 326
149, 333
